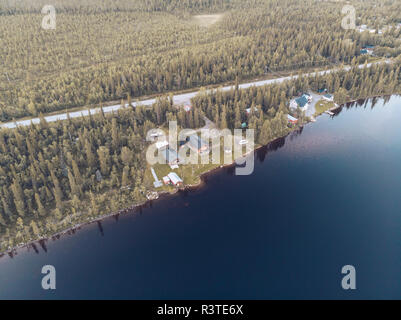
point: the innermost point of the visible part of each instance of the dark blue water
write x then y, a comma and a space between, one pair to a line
327, 197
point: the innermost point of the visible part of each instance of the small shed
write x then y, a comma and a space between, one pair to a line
161, 145
328, 97
291, 119
249, 110
166, 180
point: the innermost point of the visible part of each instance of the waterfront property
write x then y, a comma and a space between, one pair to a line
175, 179
166, 238
302, 102
291, 119
328, 97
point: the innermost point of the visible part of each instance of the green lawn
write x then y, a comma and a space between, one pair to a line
321, 106
189, 173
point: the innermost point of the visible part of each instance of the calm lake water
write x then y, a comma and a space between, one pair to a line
326, 197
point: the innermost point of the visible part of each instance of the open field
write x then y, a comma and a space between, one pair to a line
206, 20
322, 106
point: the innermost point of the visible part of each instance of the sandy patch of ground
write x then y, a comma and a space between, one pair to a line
207, 20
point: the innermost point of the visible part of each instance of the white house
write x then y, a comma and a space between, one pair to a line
301, 102
175, 179
328, 97
249, 110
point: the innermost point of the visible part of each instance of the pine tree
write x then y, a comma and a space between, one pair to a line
77, 174
19, 197
114, 134
266, 133
104, 160
34, 228
58, 194
75, 190
39, 204
126, 156
125, 177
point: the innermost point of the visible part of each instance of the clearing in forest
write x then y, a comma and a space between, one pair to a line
206, 20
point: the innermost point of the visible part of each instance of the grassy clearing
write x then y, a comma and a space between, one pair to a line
322, 106
207, 20
189, 173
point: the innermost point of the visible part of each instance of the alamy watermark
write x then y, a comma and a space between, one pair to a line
349, 21
49, 20
49, 280
187, 147
349, 280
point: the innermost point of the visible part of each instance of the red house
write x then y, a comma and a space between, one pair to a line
292, 119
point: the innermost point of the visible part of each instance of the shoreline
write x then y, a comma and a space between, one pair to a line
132, 209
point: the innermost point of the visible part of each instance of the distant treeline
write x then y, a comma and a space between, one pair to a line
111, 54
97, 6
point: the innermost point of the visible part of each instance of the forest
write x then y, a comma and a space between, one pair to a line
103, 51
55, 175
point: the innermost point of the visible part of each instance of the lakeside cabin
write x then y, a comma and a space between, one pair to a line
175, 179
328, 97
291, 119
302, 102
198, 145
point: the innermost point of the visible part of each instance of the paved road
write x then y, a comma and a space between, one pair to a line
178, 99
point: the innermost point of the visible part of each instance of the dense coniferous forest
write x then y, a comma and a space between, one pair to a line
111, 50
56, 175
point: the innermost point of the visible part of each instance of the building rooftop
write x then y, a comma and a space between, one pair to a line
175, 179
302, 101
161, 144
